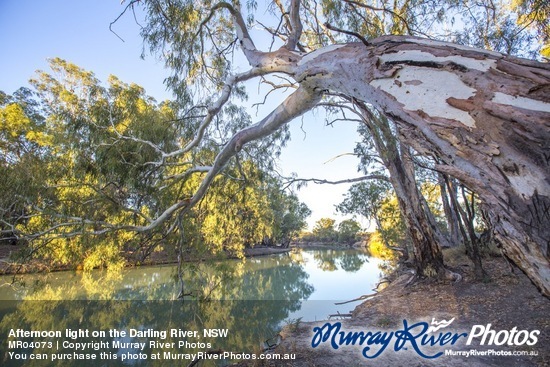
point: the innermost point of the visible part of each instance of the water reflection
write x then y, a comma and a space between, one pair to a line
348, 260
251, 299
248, 322
279, 277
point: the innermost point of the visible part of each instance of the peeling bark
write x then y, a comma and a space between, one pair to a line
455, 236
419, 221
485, 116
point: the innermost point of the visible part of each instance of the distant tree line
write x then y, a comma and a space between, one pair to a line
325, 230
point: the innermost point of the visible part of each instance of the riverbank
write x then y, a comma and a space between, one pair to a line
8, 267
326, 245
508, 300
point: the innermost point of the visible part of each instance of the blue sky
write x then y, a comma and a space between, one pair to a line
31, 31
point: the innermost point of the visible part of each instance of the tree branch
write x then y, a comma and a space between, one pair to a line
301, 101
246, 42
361, 298
296, 26
215, 108
354, 34
349, 180
295, 105
130, 5
393, 13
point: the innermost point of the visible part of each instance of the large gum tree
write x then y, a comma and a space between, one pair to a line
483, 114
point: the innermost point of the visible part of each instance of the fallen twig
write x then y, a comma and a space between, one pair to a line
340, 315
365, 296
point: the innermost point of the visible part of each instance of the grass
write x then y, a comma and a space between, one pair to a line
293, 324
455, 256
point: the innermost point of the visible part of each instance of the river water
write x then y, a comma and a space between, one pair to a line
252, 299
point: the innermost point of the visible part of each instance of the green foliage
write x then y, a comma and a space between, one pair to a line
378, 248
391, 228
236, 214
242, 209
80, 160
289, 216
505, 25
536, 14
365, 198
195, 53
375, 201
23, 154
324, 230
92, 171
348, 231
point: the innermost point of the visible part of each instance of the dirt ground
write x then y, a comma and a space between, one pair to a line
508, 300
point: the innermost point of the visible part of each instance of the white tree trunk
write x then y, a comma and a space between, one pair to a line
421, 228
485, 115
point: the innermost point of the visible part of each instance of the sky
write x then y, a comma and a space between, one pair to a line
32, 31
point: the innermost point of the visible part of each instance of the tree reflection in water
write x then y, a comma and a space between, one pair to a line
251, 303
349, 260
251, 299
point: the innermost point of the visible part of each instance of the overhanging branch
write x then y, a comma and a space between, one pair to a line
338, 182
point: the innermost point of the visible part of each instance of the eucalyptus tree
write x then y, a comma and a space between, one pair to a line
374, 200
419, 221
365, 199
23, 152
482, 113
80, 165
289, 215
347, 231
324, 230
96, 167
75, 176
381, 146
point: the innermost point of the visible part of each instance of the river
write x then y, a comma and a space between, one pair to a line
251, 299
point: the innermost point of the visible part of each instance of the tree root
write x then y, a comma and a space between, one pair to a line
452, 276
411, 280
382, 281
